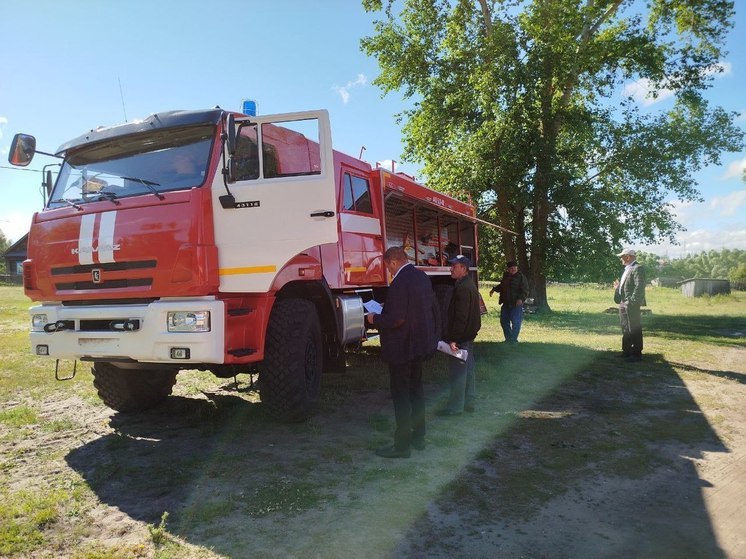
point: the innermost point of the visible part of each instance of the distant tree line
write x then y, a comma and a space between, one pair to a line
4, 245
604, 268
724, 264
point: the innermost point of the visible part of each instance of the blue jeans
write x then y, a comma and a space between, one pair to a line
510, 320
462, 380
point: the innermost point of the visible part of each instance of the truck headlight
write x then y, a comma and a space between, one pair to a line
188, 321
38, 321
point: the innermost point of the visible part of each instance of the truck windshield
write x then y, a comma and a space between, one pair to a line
134, 165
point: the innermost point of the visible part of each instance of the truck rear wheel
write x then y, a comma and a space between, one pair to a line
132, 389
290, 376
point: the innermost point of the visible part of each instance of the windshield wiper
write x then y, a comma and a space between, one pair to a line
150, 185
111, 196
68, 202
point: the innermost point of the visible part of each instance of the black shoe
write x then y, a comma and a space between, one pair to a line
393, 452
623, 355
447, 413
633, 358
469, 409
419, 445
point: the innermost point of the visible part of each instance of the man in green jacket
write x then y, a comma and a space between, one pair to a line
629, 294
513, 290
463, 323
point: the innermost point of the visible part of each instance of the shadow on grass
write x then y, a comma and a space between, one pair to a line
561, 433
721, 330
599, 466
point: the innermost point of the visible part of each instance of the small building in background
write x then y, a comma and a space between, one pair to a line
696, 287
14, 257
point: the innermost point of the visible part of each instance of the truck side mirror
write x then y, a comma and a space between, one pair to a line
22, 150
230, 124
47, 184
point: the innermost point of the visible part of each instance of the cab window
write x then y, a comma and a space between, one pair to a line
357, 194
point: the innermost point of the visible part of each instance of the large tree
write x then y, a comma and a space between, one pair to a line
522, 106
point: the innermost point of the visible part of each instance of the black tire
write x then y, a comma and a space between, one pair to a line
290, 376
132, 389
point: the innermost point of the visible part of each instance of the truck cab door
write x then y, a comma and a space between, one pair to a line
282, 183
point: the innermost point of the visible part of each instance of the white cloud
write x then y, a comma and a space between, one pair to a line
719, 70
698, 240
3, 122
643, 92
730, 204
741, 116
15, 225
388, 164
344, 91
735, 169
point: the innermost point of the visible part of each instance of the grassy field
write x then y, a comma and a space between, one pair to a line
208, 475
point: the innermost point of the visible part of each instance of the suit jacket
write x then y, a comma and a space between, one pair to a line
407, 323
632, 291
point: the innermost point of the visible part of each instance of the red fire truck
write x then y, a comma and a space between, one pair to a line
222, 242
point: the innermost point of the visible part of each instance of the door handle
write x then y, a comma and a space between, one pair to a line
327, 213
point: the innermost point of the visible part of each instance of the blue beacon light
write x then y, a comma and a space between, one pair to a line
248, 107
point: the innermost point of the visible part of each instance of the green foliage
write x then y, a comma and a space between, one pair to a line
158, 534
521, 111
4, 242
739, 273
18, 416
724, 264
24, 516
4, 245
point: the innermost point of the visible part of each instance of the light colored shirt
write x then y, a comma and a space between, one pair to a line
627, 269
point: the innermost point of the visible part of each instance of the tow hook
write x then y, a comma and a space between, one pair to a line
57, 370
59, 326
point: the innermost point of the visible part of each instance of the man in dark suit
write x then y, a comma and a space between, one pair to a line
407, 328
629, 293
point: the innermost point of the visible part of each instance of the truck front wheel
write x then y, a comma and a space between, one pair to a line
132, 389
290, 376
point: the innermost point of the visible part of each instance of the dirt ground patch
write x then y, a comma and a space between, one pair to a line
616, 460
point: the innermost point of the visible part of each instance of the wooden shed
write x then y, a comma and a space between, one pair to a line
696, 287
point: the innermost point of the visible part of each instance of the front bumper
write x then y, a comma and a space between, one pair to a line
87, 334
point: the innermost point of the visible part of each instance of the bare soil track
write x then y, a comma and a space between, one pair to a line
642, 460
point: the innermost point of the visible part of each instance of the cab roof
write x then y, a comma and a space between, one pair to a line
168, 119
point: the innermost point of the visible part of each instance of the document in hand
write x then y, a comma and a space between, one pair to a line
373, 306
460, 354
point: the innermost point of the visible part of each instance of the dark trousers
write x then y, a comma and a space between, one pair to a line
409, 402
630, 319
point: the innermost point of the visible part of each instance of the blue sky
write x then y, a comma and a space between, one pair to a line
63, 64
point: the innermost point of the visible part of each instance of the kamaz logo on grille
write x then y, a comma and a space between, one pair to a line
96, 275
102, 248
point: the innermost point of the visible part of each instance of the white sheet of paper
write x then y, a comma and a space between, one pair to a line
373, 306
460, 354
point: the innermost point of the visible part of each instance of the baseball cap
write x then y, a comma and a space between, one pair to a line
460, 259
627, 252
511, 263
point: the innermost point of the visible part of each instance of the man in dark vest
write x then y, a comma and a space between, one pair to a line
408, 336
629, 294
